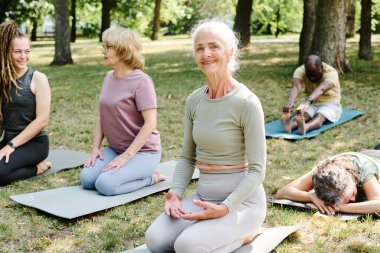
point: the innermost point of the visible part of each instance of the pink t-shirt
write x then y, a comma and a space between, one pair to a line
121, 102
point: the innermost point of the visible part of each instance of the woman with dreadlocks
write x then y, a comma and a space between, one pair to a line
348, 182
25, 106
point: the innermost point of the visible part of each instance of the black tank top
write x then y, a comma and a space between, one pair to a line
21, 110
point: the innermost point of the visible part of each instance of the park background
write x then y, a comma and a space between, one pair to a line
276, 36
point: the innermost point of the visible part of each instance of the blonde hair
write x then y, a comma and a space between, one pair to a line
8, 32
229, 38
127, 44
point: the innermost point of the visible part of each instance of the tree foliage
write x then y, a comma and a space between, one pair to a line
375, 13
277, 16
176, 16
25, 11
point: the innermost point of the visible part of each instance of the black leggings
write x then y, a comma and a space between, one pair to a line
23, 161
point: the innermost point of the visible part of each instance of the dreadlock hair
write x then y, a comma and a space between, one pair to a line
8, 31
331, 178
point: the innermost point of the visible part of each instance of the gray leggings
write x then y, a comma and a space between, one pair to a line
224, 234
137, 173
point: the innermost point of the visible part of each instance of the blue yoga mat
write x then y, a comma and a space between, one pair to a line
274, 129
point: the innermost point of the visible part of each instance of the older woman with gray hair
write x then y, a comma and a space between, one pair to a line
224, 138
348, 182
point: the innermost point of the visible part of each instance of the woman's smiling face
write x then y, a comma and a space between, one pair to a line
210, 52
20, 53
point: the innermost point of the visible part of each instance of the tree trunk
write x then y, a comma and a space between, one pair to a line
308, 27
106, 21
4, 7
73, 21
350, 27
62, 54
278, 19
329, 39
242, 23
365, 50
33, 34
156, 20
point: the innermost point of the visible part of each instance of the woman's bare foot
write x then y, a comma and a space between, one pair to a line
43, 166
285, 118
248, 238
157, 177
300, 119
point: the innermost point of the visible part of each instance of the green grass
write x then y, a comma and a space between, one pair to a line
266, 69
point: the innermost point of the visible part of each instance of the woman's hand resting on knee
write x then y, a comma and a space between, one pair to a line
6, 152
173, 206
96, 152
118, 162
210, 211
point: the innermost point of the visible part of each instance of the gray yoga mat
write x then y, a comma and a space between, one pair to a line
65, 159
289, 203
263, 243
74, 201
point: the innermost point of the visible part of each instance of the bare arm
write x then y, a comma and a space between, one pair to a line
41, 90
294, 92
372, 205
96, 144
98, 135
299, 190
322, 88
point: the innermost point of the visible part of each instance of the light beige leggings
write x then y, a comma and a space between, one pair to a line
224, 234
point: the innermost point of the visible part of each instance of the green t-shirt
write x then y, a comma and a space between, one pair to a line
227, 131
367, 167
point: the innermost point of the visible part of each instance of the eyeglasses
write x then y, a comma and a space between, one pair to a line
106, 47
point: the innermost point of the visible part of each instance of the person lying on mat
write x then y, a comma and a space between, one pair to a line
348, 182
322, 102
224, 138
25, 107
127, 119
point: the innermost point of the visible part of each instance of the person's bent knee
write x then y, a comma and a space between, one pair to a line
156, 241
321, 119
186, 245
86, 180
4, 181
106, 187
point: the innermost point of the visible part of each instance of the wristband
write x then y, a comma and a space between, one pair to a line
10, 143
309, 99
